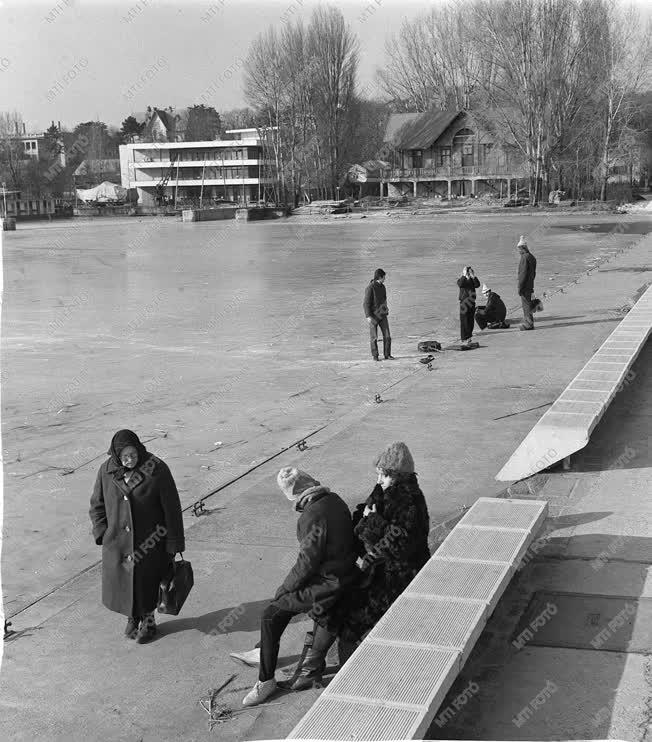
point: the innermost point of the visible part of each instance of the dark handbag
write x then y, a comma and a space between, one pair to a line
174, 589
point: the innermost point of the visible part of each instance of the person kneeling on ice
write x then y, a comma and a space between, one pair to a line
325, 567
493, 313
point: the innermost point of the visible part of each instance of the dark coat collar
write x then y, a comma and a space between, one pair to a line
312, 494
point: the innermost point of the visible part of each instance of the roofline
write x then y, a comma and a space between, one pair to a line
190, 145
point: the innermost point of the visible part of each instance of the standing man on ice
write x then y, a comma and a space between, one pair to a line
376, 311
527, 270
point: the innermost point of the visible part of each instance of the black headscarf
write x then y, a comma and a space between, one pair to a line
121, 440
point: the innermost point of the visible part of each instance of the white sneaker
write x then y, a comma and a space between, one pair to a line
260, 692
251, 658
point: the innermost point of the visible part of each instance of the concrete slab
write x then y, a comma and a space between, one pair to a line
583, 620
506, 706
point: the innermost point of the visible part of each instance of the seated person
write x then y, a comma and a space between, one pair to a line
493, 313
325, 568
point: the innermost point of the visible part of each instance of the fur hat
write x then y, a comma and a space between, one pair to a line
485, 288
396, 457
293, 482
521, 242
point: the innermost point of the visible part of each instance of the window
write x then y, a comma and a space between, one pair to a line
417, 158
443, 157
485, 153
463, 145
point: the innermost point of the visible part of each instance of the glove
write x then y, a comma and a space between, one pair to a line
99, 540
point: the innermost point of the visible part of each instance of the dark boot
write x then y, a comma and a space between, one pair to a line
314, 663
131, 628
147, 629
387, 348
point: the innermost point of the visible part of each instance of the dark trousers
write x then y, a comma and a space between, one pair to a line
373, 335
272, 625
526, 303
467, 315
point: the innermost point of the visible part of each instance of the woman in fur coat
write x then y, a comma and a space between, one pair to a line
392, 529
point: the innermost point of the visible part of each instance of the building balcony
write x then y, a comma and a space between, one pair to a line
167, 164
444, 173
172, 183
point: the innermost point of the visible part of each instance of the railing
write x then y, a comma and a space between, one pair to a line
489, 171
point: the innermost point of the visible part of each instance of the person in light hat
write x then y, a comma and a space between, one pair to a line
493, 313
392, 526
527, 270
325, 566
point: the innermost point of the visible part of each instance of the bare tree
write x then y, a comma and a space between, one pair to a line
264, 90
12, 156
334, 51
625, 53
434, 61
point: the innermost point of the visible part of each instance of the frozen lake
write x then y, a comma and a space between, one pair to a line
250, 335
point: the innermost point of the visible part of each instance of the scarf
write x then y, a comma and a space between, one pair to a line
120, 441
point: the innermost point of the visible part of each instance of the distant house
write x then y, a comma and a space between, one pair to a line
163, 126
91, 172
449, 153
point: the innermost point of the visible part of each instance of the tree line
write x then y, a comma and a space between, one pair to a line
563, 83
559, 81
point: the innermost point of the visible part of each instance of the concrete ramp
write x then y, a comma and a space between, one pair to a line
395, 681
567, 426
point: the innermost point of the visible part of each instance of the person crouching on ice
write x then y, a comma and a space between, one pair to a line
493, 313
325, 567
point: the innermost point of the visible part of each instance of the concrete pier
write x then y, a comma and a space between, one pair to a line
208, 215
92, 684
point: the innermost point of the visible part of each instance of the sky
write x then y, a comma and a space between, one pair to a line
81, 60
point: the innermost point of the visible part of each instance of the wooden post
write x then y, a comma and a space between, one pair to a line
176, 189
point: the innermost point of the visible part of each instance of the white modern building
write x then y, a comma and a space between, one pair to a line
233, 169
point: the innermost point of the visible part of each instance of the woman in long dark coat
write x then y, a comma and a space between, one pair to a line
136, 517
468, 283
392, 528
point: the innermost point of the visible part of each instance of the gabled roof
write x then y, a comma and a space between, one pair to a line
167, 119
418, 130
397, 121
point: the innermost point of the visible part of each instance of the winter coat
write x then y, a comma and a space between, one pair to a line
393, 542
140, 527
527, 271
375, 300
326, 563
495, 310
467, 290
